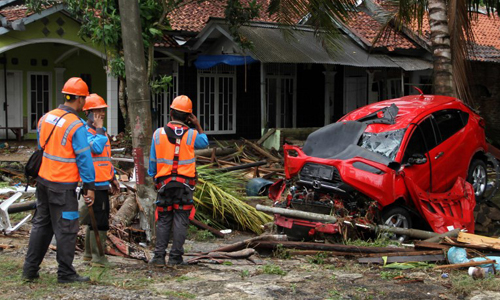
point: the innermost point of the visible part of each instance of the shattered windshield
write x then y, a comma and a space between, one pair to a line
384, 143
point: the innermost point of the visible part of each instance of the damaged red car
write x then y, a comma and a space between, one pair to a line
400, 162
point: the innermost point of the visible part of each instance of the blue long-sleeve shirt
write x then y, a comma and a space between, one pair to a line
97, 144
81, 148
201, 142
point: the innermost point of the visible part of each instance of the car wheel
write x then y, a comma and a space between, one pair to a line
478, 177
397, 217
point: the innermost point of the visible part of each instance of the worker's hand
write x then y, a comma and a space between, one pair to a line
115, 187
98, 121
89, 197
193, 119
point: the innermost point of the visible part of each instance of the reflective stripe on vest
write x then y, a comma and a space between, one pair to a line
186, 166
59, 160
102, 162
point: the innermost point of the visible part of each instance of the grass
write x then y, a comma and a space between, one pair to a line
244, 274
182, 295
281, 252
318, 259
462, 284
273, 270
381, 241
389, 275
183, 278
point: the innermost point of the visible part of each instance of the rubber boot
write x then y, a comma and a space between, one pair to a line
97, 259
87, 254
158, 260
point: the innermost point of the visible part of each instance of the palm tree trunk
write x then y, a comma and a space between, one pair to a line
139, 110
441, 49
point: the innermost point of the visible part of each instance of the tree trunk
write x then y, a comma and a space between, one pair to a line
441, 49
122, 100
139, 111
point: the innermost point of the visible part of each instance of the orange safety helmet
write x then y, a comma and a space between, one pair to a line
75, 86
182, 103
94, 101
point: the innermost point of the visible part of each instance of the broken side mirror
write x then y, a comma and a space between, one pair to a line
394, 165
417, 159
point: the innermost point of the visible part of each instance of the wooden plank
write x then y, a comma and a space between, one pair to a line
406, 258
409, 253
467, 264
429, 245
478, 240
266, 136
262, 151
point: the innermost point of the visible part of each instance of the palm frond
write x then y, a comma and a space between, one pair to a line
221, 195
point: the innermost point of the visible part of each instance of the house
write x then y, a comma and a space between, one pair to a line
280, 82
38, 53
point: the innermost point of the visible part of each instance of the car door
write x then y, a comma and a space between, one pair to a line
422, 141
449, 160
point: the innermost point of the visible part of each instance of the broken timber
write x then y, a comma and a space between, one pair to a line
347, 249
467, 264
405, 258
204, 226
479, 240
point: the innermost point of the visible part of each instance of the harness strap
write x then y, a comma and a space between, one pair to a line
189, 181
176, 207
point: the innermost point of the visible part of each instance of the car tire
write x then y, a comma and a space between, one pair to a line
397, 216
478, 177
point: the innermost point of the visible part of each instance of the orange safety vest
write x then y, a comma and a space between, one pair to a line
102, 162
166, 162
59, 158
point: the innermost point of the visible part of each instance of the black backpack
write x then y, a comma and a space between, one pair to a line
35, 161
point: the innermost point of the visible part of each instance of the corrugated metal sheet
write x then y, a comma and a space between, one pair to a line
272, 46
411, 63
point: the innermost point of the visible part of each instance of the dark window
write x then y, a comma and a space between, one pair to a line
449, 122
422, 140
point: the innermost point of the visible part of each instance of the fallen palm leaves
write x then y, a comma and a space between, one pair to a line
220, 194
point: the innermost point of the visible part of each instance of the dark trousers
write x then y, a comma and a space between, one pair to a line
176, 222
101, 210
56, 213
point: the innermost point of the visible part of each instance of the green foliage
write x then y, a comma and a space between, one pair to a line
244, 274
281, 252
161, 83
227, 263
273, 270
238, 15
318, 259
183, 278
389, 275
221, 195
381, 241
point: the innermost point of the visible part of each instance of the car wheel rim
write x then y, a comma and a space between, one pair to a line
479, 180
397, 220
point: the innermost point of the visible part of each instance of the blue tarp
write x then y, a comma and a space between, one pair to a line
208, 61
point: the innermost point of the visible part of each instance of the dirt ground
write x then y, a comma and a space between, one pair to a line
304, 277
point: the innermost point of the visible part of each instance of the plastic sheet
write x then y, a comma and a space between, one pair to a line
458, 255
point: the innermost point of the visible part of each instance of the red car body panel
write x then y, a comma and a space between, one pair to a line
447, 164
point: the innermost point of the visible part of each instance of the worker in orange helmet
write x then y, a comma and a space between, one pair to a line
95, 110
66, 160
172, 163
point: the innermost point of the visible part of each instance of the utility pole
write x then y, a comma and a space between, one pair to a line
139, 111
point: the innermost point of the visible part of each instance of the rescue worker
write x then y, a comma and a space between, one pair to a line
66, 160
95, 110
172, 164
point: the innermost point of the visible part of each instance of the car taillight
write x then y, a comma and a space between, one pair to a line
482, 123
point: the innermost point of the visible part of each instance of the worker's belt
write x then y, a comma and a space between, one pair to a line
189, 181
176, 207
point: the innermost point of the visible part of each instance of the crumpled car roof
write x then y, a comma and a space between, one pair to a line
409, 107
